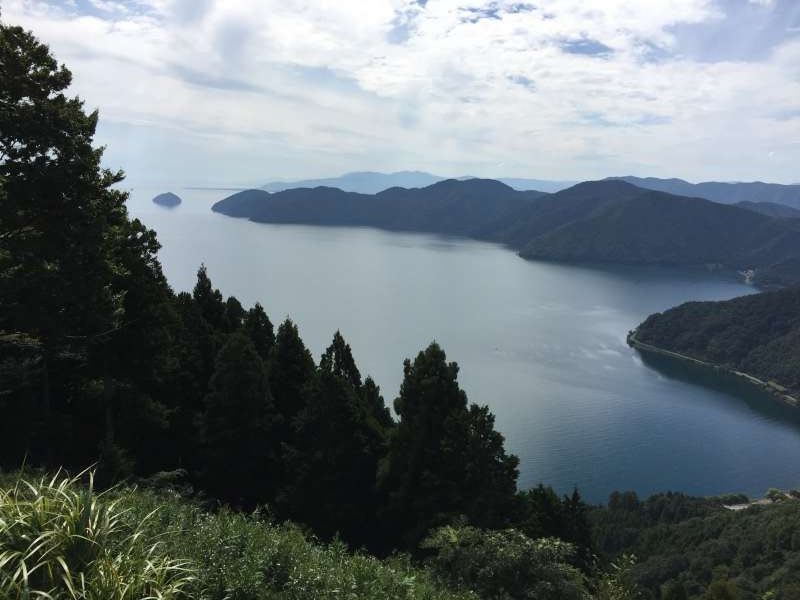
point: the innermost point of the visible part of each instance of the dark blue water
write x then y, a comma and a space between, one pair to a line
542, 344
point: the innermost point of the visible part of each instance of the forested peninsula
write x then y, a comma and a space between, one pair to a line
756, 335
608, 221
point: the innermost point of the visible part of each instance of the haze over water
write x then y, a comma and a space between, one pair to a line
542, 344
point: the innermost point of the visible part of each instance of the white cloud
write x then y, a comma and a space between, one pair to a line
565, 89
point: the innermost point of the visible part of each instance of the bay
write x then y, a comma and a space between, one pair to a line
542, 344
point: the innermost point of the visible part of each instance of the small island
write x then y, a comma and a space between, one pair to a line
167, 200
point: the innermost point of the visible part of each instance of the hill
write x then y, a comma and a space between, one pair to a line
683, 544
167, 199
771, 209
596, 221
450, 207
724, 192
372, 182
647, 227
757, 334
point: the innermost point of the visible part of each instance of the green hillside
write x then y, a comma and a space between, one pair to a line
757, 334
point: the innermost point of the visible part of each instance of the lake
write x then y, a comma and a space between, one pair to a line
542, 344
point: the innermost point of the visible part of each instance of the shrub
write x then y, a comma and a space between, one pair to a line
506, 565
62, 541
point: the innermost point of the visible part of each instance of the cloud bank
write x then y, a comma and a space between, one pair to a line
243, 91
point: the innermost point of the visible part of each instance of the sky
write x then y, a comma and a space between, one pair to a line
242, 92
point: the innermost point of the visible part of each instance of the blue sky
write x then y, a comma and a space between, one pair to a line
240, 92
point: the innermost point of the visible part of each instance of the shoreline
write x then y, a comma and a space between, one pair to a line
774, 389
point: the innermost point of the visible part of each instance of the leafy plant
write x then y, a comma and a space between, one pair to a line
62, 541
506, 565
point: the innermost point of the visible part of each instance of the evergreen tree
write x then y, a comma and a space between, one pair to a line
333, 463
445, 458
576, 528
371, 395
338, 360
209, 299
194, 352
239, 447
292, 369
234, 314
259, 328
70, 260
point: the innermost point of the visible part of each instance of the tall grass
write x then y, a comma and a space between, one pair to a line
246, 557
61, 540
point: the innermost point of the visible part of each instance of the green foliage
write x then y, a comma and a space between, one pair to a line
244, 557
332, 477
75, 273
758, 334
239, 423
62, 541
506, 564
445, 458
259, 328
691, 542
292, 368
618, 583
721, 590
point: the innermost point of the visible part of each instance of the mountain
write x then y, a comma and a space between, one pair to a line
167, 200
363, 182
646, 227
771, 209
372, 182
726, 193
449, 207
757, 334
542, 185
596, 221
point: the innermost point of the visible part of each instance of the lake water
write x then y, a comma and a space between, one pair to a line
542, 344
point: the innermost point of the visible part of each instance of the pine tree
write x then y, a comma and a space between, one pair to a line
445, 458
292, 368
259, 328
234, 314
338, 360
70, 260
333, 463
209, 299
240, 449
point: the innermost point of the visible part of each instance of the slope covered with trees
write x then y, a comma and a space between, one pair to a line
450, 207
771, 209
757, 334
598, 221
657, 228
696, 548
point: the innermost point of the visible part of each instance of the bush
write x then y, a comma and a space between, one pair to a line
62, 541
505, 565
246, 557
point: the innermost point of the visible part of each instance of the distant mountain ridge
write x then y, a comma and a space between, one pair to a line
598, 221
723, 192
771, 209
451, 206
372, 182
